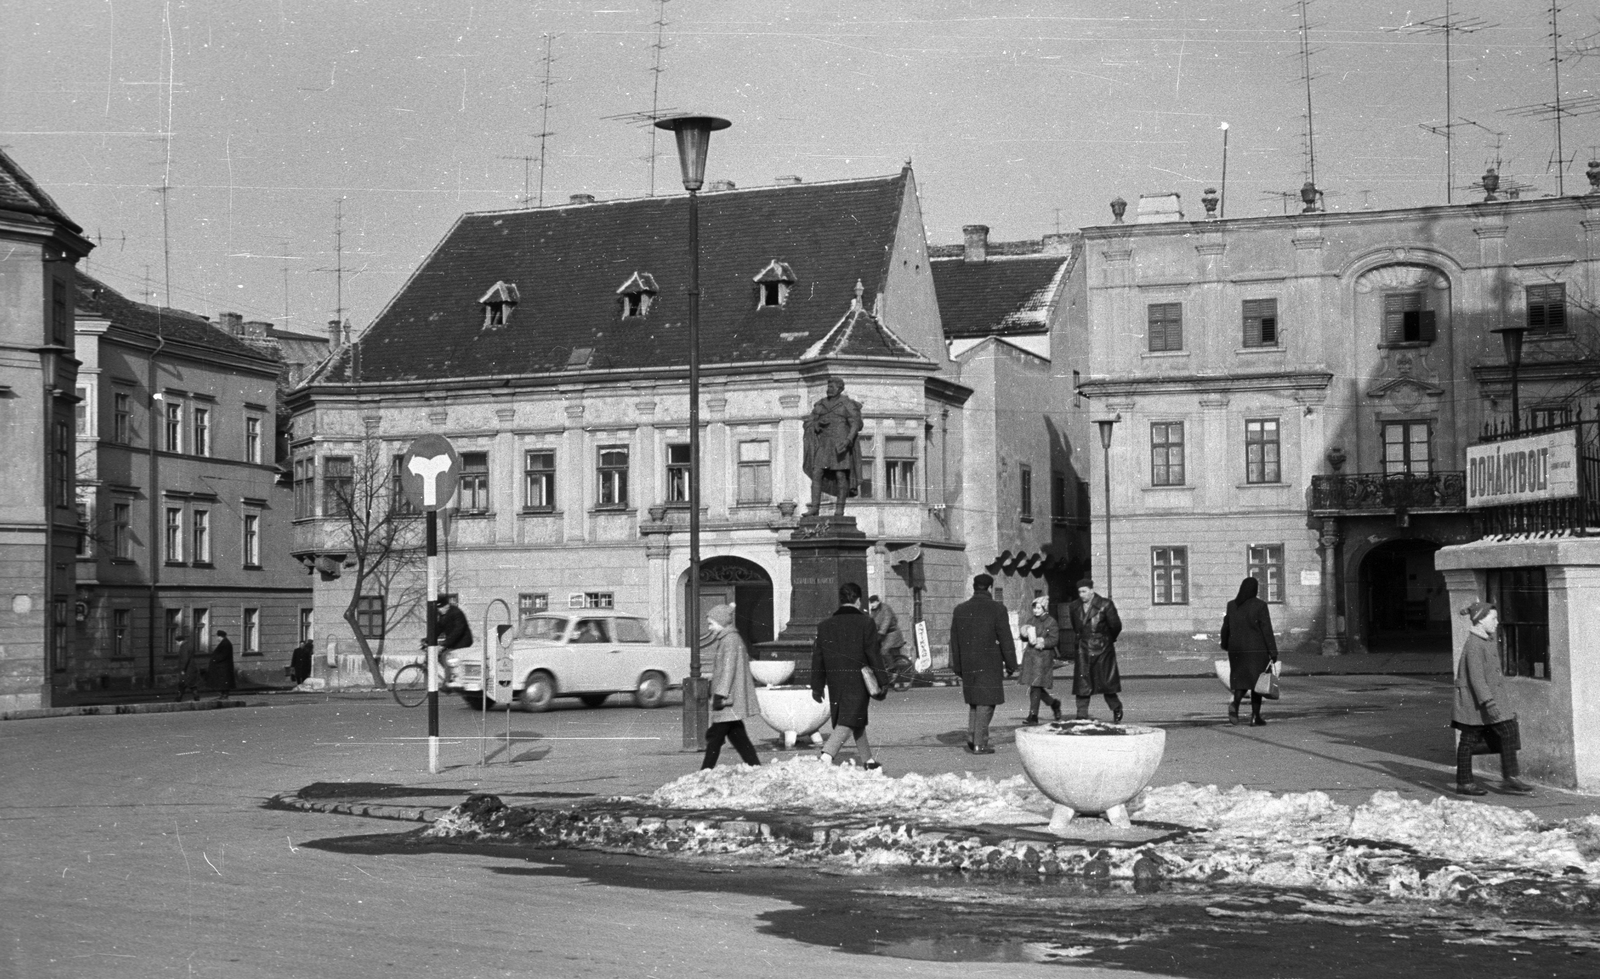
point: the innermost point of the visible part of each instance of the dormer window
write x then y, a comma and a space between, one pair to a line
773, 285
498, 303
637, 294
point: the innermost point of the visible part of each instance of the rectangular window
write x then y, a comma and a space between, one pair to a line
539, 480
60, 331
174, 539
1261, 451
63, 465
202, 430
305, 624
122, 530
1166, 454
202, 536
1547, 308
252, 540
369, 616
1166, 326
530, 604
82, 412
121, 418
678, 473
121, 633
201, 618
612, 474
1405, 320
1405, 448
755, 472
866, 448
172, 622
1522, 597
1025, 477
58, 634
900, 468
472, 495
1261, 322
174, 426
598, 599
1266, 566
250, 625
305, 472
85, 539
1169, 576
398, 501
252, 439
338, 485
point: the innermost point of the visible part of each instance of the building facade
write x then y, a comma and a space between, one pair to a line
186, 522
1292, 398
38, 521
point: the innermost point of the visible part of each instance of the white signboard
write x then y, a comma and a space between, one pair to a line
1538, 467
924, 652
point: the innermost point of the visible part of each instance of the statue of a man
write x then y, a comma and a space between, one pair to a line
832, 456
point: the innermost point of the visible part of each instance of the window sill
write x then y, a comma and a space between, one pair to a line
472, 515
1183, 488
1025, 518
614, 511
1251, 486
204, 565
1248, 351
123, 560
1169, 604
174, 564
1162, 354
539, 512
1406, 345
251, 567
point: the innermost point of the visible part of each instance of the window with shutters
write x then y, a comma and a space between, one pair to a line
1166, 326
1406, 319
1261, 322
1547, 309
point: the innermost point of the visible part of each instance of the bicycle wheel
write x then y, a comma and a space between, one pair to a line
410, 686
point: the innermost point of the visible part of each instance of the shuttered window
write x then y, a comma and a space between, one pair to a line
1166, 326
1547, 308
1261, 322
1405, 320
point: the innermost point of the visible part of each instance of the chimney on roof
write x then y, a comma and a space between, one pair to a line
977, 236
335, 335
257, 328
1159, 208
1059, 243
232, 323
581, 199
717, 186
787, 178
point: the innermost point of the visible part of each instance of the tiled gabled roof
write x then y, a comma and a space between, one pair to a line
95, 298
860, 334
19, 191
1006, 296
566, 263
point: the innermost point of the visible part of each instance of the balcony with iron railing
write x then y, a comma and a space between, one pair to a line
1344, 494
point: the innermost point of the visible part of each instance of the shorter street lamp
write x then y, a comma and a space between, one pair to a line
1106, 424
1511, 336
694, 139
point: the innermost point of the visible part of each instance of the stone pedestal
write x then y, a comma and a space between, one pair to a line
824, 553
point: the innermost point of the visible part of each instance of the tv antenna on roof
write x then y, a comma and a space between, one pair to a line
542, 135
1559, 109
1306, 51
1449, 25
648, 118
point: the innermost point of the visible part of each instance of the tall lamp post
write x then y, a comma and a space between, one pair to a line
1511, 337
1106, 424
694, 139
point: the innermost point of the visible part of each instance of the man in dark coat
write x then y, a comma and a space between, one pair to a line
300, 662
847, 643
891, 642
221, 668
1095, 626
189, 668
451, 630
980, 648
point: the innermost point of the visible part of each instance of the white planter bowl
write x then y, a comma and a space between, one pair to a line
1091, 773
771, 672
791, 712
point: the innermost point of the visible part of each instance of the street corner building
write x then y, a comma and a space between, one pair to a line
550, 346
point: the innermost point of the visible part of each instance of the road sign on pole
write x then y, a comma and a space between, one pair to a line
429, 472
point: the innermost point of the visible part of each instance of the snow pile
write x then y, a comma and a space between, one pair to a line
803, 785
1244, 812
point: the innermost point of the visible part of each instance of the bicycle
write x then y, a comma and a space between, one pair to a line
410, 684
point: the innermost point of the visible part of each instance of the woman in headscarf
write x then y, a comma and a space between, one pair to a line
1041, 638
1252, 649
1481, 712
733, 692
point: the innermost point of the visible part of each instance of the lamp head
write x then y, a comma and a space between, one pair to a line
694, 139
1511, 337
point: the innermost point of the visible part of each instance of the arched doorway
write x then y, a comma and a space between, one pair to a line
1405, 605
742, 584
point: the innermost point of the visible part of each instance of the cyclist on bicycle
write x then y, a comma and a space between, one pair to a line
451, 629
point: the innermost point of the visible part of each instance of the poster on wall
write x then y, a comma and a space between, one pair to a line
924, 651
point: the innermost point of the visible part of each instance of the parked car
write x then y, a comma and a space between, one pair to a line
589, 654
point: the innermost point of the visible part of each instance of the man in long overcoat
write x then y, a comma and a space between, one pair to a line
189, 666
891, 642
1095, 626
221, 668
981, 649
832, 457
847, 642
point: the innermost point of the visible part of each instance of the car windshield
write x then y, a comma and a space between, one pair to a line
590, 630
547, 627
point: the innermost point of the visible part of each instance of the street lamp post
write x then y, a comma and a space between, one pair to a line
1106, 424
694, 139
1511, 337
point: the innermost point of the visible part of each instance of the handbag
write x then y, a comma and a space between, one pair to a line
1267, 684
871, 680
1498, 737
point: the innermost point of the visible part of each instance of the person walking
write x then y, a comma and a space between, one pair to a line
1095, 628
189, 668
221, 667
846, 648
1041, 637
1482, 712
733, 691
300, 662
1252, 649
980, 649
891, 643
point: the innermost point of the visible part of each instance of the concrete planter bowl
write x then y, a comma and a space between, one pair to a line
771, 672
792, 713
1090, 773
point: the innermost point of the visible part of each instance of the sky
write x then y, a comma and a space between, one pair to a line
299, 137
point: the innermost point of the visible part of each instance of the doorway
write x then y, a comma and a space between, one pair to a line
742, 584
1406, 606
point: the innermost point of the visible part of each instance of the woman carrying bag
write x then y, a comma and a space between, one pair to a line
733, 692
1252, 650
1481, 712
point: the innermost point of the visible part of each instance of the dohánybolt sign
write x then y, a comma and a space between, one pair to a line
1537, 467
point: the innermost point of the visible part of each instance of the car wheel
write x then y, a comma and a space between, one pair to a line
652, 690
539, 691
594, 699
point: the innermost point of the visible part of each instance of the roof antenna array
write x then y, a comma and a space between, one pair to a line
1306, 51
647, 118
1449, 25
1558, 110
542, 135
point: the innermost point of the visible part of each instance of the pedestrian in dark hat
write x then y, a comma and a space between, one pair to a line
1095, 626
733, 692
1252, 648
189, 668
845, 653
221, 668
1482, 712
980, 649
